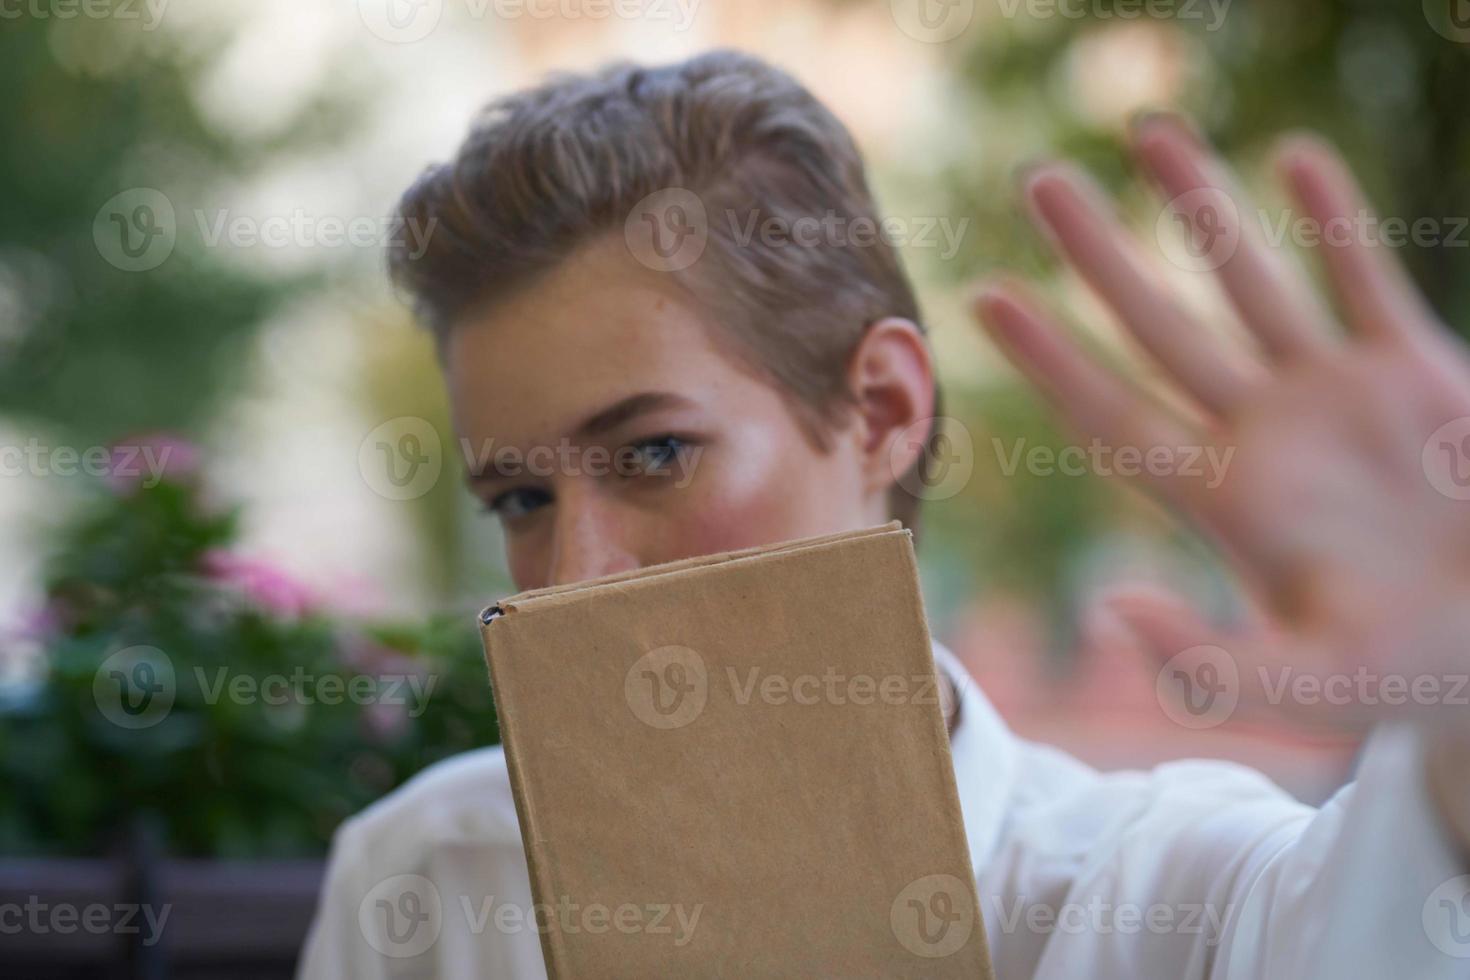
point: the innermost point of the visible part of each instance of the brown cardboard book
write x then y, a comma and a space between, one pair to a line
737, 766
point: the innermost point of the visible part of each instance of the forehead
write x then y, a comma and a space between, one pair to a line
598, 328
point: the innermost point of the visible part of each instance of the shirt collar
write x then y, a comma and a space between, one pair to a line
984, 754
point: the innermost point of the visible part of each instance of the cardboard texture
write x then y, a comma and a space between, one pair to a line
736, 766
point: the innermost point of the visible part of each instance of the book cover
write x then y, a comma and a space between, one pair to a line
737, 766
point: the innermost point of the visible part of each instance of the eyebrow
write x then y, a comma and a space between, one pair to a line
605, 420
627, 409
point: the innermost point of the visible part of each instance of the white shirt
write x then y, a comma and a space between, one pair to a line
1190, 870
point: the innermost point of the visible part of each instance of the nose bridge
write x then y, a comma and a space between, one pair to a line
589, 536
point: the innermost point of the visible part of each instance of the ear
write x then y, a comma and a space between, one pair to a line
891, 377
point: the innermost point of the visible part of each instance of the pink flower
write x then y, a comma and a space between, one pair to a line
148, 459
43, 622
265, 585
364, 655
384, 720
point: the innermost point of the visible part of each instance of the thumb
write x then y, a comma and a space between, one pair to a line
1207, 676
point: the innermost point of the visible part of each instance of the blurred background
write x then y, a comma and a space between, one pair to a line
200, 356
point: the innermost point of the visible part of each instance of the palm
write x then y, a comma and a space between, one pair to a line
1347, 528
1328, 501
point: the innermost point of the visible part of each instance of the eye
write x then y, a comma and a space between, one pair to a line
655, 455
518, 502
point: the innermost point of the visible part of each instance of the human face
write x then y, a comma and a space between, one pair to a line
604, 359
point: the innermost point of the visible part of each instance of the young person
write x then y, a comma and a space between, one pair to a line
785, 383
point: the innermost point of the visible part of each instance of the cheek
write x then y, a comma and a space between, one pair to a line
762, 485
528, 556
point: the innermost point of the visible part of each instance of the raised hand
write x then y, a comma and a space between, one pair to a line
1343, 505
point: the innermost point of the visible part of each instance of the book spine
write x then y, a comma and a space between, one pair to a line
541, 887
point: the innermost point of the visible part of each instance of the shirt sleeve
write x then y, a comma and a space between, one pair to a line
1208, 870
430, 881
1385, 885
335, 946
400, 903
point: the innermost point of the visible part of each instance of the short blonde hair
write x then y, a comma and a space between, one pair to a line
547, 170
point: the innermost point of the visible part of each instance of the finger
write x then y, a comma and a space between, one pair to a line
1238, 607
1092, 399
1206, 676
1274, 300
1079, 220
1377, 295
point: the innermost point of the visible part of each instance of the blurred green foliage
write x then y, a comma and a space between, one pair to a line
1374, 77
96, 107
331, 714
